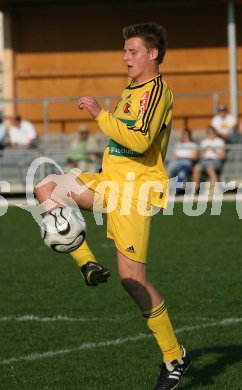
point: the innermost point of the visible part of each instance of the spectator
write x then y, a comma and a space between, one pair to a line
84, 152
22, 134
212, 158
184, 156
224, 123
3, 134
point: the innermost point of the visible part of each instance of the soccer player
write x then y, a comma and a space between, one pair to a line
139, 131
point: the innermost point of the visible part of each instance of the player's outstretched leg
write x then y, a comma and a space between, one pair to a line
54, 191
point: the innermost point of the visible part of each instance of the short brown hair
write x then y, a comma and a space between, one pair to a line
153, 35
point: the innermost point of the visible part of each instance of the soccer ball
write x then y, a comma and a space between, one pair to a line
63, 229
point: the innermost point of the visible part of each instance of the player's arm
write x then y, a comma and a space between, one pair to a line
164, 135
141, 135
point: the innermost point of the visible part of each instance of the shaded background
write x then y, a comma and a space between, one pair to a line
74, 48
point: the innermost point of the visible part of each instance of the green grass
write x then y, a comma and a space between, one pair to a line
194, 261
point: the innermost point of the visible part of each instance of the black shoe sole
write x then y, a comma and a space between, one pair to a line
97, 276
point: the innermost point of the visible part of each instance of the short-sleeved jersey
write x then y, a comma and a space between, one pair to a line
211, 148
139, 131
224, 126
185, 150
23, 134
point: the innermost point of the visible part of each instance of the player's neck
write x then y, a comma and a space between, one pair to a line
144, 79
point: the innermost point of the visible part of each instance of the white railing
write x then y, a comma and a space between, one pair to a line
14, 164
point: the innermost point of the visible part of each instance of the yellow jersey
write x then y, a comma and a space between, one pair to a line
139, 131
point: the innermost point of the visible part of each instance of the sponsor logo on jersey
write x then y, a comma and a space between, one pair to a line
127, 108
143, 104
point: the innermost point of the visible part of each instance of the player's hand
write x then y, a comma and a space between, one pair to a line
91, 104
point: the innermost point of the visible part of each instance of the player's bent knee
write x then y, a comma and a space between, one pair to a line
43, 189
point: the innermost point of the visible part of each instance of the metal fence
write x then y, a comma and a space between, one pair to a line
107, 101
14, 164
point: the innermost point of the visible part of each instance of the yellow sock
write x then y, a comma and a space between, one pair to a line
83, 254
159, 323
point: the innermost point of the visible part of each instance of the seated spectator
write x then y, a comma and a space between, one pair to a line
22, 134
84, 152
224, 123
3, 134
212, 157
185, 154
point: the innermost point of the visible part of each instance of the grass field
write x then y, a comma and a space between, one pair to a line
56, 333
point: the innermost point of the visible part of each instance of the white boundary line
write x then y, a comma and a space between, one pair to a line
114, 342
32, 317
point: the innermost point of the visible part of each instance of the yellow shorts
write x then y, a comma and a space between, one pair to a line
126, 224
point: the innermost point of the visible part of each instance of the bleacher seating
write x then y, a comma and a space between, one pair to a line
14, 164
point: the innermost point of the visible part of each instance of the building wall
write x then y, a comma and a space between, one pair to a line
76, 50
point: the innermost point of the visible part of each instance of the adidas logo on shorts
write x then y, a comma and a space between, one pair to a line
130, 249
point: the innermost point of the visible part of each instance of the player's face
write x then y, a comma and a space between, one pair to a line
139, 60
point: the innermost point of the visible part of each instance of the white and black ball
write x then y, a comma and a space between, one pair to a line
63, 229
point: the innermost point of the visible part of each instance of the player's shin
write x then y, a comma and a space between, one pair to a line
83, 255
159, 323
